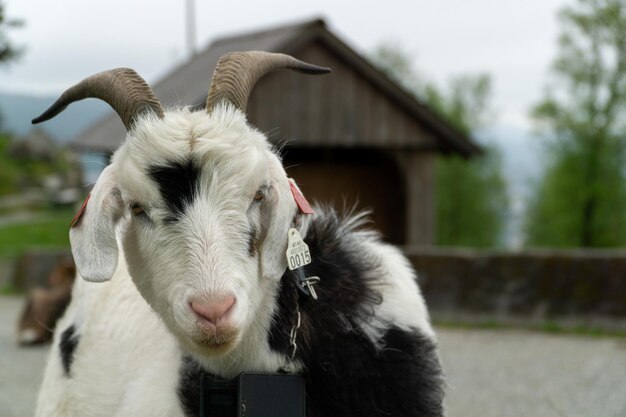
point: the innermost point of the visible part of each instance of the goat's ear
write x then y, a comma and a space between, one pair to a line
277, 218
92, 235
283, 215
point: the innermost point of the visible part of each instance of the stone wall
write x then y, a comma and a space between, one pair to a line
534, 283
31, 269
537, 285
7, 272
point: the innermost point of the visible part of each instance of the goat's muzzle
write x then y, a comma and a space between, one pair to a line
216, 329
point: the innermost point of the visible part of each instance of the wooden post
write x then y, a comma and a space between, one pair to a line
419, 172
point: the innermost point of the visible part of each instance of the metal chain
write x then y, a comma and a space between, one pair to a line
293, 335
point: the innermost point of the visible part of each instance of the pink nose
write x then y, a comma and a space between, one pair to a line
213, 311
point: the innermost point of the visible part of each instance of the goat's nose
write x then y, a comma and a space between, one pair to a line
213, 311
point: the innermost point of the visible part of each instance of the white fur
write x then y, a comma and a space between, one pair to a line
403, 304
126, 362
134, 327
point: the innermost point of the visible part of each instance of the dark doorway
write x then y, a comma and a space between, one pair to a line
368, 178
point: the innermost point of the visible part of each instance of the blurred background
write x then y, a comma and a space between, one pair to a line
487, 138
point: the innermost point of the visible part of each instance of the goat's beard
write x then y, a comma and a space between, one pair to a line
219, 342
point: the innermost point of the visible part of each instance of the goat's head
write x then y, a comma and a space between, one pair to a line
200, 201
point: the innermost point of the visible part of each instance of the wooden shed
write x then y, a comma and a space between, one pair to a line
354, 136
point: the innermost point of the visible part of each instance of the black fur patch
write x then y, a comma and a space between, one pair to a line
189, 386
67, 346
178, 184
345, 295
252, 241
346, 374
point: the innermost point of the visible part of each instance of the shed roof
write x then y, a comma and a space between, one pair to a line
188, 84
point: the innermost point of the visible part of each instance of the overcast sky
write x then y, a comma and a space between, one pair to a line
512, 40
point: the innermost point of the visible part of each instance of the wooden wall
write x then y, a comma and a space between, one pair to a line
339, 109
347, 142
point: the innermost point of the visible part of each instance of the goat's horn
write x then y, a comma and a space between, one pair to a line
122, 88
236, 74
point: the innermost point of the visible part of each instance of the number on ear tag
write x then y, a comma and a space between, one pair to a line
298, 254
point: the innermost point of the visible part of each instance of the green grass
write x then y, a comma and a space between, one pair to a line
545, 327
9, 289
580, 330
49, 229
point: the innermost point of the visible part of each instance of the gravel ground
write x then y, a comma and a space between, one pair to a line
20, 368
504, 373
499, 373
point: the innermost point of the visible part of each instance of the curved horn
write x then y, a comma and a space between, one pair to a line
236, 74
122, 88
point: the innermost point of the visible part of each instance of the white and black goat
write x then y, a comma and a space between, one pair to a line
181, 248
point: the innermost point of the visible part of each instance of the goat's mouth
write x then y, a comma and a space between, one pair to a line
216, 340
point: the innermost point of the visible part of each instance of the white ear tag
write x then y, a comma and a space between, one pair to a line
298, 254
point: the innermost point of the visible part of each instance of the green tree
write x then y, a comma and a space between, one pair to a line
9, 171
471, 195
581, 199
8, 51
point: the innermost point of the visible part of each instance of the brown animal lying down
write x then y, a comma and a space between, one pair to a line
44, 306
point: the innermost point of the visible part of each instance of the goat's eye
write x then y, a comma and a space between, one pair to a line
258, 197
136, 209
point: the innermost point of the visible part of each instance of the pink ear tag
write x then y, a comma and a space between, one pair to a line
80, 213
303, 205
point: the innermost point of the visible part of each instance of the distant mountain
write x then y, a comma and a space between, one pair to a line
522, 155
522, 164
16, 112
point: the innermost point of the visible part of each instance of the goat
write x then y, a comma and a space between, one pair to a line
44, 305
201, 207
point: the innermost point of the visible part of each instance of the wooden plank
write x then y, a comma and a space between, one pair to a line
420, 194
367, 114
340, 109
